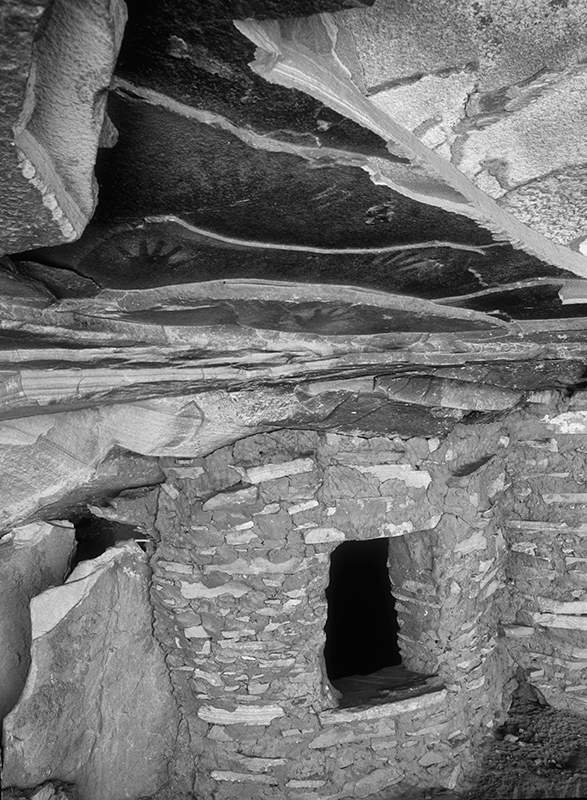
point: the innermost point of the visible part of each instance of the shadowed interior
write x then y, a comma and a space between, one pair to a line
361, 629
95, 535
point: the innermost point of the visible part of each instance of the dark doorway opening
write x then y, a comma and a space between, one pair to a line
361, 628
95, 535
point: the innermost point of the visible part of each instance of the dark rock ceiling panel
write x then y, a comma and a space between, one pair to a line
166, 163
231, 176
185, 201
246, 234
192, 52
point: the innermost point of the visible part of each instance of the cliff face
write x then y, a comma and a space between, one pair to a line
57, 60
277, 279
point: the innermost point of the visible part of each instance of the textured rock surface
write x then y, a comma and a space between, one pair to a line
57, 64
545, 515
504, 42
296, 175
320, 58
220, 334
289, 320
32, 558
45, 458
494, 88
97, 708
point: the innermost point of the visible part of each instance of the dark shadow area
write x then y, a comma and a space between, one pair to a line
539, 752
361, 629
95, 535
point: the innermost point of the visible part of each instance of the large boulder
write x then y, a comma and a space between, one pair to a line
32, 558
97, 709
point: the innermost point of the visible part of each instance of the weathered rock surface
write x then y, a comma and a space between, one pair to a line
32, 558
246, 333
321, 58
45, 458
97, 709
57, 63
493, 89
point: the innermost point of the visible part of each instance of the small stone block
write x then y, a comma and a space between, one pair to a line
193, 590
560, 621
293, 784
429, 759
240, 777
308, 504
218, 734
270, 472
245, 715
196, 632
323, 535
376, 781
232, 498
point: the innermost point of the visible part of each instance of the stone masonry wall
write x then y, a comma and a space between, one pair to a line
238, 588
545, 518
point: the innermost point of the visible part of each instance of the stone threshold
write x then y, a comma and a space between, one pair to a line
387, 685
429, 699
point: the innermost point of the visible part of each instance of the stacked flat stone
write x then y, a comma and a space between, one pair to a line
239, 585
546, 524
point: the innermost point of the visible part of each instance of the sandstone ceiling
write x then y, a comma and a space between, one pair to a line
225, 217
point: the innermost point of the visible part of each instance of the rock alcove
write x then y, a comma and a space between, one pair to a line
292, 399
